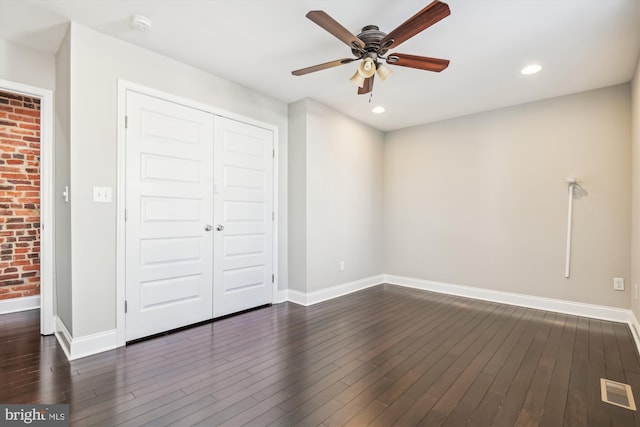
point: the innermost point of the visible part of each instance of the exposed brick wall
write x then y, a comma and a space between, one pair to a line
19, 196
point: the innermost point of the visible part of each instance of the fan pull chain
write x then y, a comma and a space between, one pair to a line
370, 96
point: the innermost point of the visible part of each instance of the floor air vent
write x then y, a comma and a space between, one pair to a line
616, 393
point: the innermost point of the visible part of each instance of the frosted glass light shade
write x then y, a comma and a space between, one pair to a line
383, 72
357, 79
367, 68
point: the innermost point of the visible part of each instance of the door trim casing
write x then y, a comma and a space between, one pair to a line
123, 87
47, 236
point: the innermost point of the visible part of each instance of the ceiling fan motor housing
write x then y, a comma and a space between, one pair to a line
371, 37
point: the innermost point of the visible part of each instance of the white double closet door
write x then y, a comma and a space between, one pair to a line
199, 215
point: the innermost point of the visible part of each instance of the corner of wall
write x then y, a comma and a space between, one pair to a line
635, 191
62, 212
297, 176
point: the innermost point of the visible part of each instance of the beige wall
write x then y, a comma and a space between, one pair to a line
482, 200
635, 188
336, 201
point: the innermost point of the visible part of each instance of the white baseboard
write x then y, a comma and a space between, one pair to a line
76, 348
282, 296
315, 297
635, 328
13, 305
549, 304
63, 336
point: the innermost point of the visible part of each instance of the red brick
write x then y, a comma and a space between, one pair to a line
23, 287
30, 126
18, 226
26, 112
19, 196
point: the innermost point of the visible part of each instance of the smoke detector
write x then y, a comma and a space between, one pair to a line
140, 22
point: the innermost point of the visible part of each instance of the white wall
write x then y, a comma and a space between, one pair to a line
635, 188
28, 66
482, 200
298, 196
62, 178
342, 196
97, 61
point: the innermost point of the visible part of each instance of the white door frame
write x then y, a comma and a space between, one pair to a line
47, 229
123, 87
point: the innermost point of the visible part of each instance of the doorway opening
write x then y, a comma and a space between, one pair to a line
20, 200
25, 201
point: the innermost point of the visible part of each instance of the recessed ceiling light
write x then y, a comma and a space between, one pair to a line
531, 69
378, 110
140, 22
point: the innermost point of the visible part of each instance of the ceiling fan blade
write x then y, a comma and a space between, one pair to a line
434, 12
324, 66
367, 86
332, 26
420, 62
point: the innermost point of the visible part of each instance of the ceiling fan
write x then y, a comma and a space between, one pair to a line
371, 45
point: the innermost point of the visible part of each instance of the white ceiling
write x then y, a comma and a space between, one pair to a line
582, 45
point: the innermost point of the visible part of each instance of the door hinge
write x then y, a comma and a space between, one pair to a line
126, 214
273, 216
125, 306
126, 122
274, 153
273, 278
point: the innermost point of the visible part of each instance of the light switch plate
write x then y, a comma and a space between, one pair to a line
102, 194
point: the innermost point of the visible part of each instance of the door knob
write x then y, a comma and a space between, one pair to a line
208, 228
220, 227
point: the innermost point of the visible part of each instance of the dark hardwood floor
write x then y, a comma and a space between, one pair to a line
383, 356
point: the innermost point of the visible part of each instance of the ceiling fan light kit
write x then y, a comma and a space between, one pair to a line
370, 46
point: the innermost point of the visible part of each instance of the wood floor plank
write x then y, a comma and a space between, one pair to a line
596, 369
521, 382
483, 380
435, 396
533, 407
556, 397
469, 366
576, 409
383, 356
504, 373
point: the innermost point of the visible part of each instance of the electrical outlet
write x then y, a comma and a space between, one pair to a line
618, 283
341, 265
